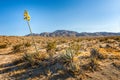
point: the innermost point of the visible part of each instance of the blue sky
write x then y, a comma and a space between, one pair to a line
51, 15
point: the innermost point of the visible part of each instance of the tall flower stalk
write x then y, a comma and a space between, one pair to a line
27, 18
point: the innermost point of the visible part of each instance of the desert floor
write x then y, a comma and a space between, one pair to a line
60, 58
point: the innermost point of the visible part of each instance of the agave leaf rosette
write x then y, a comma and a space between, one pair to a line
68, 56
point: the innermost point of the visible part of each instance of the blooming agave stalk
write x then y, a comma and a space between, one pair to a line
27, 18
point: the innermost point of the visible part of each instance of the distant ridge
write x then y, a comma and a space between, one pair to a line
67, 33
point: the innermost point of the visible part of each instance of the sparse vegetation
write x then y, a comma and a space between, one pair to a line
74, 58
3, 45
51, 47
116, 64
35, 58
95, 54
17, 48
27, 44
94, 65
75, 47
30, 58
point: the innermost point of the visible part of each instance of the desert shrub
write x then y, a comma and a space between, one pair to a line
29, 58
17, 48
27, 44
41, 56
75, 47
94, 54
35, 58
93, 65
51, 47
117, 38
39, 41
116, 64
103, 39
3, 45
63, 41
114, 57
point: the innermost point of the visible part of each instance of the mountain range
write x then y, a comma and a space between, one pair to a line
67, 33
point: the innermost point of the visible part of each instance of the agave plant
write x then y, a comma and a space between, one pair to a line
68, 61
67, 57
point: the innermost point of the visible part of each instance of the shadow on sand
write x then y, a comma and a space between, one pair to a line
21, 70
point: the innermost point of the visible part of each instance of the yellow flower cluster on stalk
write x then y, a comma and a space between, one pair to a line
26, 15
27, 18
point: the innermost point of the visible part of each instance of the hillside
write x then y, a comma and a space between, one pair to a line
67, 33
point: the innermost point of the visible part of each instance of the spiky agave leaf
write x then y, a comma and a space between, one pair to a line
67, 57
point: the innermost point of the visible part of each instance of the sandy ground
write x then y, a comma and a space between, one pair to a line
10, 70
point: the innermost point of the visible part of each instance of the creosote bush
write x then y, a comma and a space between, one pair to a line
75, 47
30, 58
93, 64
51, 47
95, 54
27, 44
17, 48
3, 45
35, 58
116, 64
